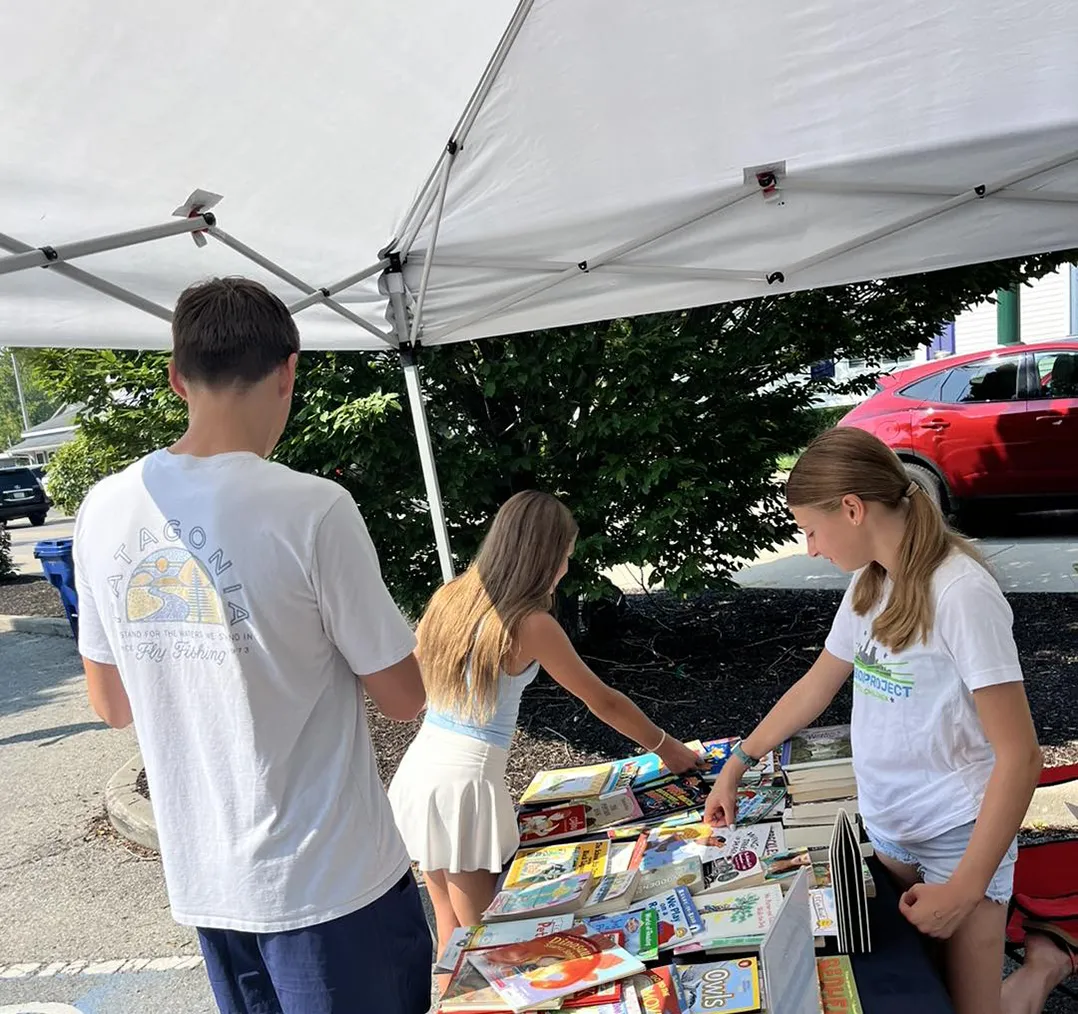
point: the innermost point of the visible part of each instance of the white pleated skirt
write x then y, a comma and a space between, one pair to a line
451, 803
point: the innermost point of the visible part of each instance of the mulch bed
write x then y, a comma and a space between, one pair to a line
714, 666
29, 596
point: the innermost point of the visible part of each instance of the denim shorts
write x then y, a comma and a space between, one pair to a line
936, 859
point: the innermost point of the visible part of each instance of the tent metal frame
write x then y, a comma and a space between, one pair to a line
406, 308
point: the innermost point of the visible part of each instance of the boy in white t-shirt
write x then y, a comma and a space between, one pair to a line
235, 611
944, 750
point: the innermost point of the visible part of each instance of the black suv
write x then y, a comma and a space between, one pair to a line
22, 496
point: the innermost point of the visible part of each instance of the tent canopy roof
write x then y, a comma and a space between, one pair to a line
610, 163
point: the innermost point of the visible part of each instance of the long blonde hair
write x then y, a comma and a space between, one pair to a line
848, 461
475, 618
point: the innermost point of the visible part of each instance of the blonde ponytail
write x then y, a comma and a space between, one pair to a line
847, 461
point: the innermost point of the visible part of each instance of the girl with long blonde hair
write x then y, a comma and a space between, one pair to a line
944, 750
482, 640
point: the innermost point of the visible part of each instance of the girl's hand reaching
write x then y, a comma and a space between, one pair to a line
720, 810
678, 757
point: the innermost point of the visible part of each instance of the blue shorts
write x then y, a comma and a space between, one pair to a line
375, 959
936, 859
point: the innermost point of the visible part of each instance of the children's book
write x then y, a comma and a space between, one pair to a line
543, 899
623, 831
564, 784
729, 986
672, 795
838, 989
612, 893
729, 856
550, 862
735, 920
688, 873
657, 990
821, 870
758, 803
679, 920
577, 818
553, 967
469, 937
818, 746
824, 915
639, 926
469, 991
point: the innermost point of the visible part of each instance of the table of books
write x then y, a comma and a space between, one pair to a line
622, 900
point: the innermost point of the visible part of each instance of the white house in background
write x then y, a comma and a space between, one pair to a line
1048, 311
39, 443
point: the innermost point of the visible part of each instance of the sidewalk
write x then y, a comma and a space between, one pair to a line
62, 897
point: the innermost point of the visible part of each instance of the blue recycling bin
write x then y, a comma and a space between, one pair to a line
58, 562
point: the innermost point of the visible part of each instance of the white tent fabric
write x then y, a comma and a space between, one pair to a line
608, 165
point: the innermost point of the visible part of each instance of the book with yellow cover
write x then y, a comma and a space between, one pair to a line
552, 862
562, 784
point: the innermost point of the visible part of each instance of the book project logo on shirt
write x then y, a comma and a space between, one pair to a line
875, 677
176, 598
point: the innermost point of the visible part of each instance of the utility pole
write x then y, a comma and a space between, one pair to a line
18, 388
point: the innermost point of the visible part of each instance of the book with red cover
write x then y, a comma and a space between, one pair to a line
556, 966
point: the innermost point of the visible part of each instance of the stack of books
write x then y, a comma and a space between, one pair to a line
817, 767
622, 900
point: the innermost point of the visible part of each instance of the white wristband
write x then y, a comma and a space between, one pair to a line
660, 743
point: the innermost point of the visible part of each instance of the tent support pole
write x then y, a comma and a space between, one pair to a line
412, 381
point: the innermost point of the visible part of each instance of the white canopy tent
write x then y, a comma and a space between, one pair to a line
615, 157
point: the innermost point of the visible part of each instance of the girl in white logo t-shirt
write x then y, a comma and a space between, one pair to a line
944, 750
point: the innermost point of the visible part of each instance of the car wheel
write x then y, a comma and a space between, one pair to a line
928, 482
37, 520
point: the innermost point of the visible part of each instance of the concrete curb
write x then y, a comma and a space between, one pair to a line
130, 812
49, 625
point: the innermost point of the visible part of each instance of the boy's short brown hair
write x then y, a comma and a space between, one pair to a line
231, 331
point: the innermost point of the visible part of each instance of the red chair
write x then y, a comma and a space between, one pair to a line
1045, 898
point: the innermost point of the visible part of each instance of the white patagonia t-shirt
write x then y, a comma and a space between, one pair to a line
920, 755
239, 600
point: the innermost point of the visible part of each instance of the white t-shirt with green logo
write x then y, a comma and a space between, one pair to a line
239, 599
920, 754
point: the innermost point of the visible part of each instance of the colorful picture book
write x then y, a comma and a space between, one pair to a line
543, 899
563, 784
672, 795
470, 937
838, 989
469, 992
551, 862
577, 818
815, 747
553, 967
640, 928
730, 857
729, 986
679, 919
657, 990
735, 920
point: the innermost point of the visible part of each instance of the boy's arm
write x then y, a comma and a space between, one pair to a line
359, 615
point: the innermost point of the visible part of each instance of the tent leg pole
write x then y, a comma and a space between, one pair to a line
426, 458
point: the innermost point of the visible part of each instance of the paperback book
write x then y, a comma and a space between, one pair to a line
640, 928
543, 899
730, 986
466, 938
553, 967
551, 862
577, 818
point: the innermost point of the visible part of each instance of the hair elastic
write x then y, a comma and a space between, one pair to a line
911, 489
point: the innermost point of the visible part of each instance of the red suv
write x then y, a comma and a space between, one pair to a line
998, 426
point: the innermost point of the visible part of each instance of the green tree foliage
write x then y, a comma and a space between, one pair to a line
660, 432
39, 406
